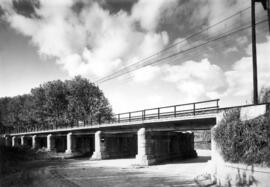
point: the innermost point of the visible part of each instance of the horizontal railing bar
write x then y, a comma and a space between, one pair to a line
177, 111
200, 102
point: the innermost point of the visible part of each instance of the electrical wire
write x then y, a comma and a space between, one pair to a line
125, 69
113, 76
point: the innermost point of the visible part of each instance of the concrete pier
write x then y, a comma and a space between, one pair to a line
22, 141
34, 142
100, 149
144, 156
13, 141
50, 142
70, 143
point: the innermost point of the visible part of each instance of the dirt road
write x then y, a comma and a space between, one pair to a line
120, 173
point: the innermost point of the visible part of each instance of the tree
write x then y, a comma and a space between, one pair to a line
86, 102
39, 107
4, 114
56, 103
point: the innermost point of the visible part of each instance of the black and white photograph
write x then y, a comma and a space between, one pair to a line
134, 93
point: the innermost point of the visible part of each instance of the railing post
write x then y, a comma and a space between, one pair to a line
129, 116
158, 113
118, 118
174, 111
217, 103
194, 109
143, 114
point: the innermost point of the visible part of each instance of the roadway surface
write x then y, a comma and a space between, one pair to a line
120, 173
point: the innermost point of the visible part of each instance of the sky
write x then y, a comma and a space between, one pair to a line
43, 40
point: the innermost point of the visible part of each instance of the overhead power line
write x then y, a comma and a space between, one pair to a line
146, 62
184, 51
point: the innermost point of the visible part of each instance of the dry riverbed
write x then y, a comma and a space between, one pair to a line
117, 172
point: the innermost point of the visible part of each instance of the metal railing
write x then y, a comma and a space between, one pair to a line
187, 109
181, 110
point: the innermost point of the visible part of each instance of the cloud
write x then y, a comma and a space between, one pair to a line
149, 12
240, 76
196, 79
91, 42
231, 50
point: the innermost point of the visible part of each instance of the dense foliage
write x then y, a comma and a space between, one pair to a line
244, 141
54, 104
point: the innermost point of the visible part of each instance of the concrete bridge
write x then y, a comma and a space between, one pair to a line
150, 135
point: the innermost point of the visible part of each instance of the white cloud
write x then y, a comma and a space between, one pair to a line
92, 43
196, 79
148, 12
95, 43
240, 77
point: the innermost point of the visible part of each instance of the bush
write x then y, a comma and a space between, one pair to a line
245, 142
11, 157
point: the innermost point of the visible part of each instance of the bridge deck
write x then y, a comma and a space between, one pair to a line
150, 122
182, 112
194, 119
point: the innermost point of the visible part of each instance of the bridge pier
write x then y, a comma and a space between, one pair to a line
34, 143
144, 150
50, 143
70, 143
22, 141
13, 141
100, 148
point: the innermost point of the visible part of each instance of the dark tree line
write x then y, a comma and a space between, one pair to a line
55, 104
